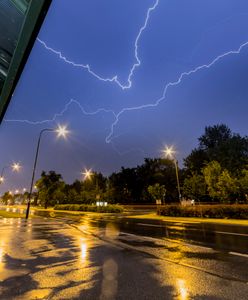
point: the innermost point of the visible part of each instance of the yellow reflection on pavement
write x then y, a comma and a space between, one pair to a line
182, 289
83, 249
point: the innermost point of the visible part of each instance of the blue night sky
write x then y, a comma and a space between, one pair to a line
101, 91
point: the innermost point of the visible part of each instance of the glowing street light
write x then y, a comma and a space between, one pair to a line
61, 132
171, 153
15, 168
87, 174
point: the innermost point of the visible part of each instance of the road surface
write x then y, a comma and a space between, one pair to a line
85, 258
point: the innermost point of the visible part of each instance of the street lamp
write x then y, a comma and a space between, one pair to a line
61, 132
87, 174
15, 168
170, 152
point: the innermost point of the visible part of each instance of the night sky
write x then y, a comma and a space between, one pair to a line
126, 56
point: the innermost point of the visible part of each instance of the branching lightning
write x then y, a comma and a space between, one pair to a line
128, 85
114, 79
63, 111
170, 84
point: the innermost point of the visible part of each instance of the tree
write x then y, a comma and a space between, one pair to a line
157, 191
214, 136
243, 185
221, 185
218, 143
211, 174
161, 171
195, 187
50, 188
7, 198
227, 186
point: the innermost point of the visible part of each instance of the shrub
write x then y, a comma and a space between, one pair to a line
90, 208
233, 211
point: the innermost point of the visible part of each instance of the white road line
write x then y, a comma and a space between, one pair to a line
239, 254
231, 233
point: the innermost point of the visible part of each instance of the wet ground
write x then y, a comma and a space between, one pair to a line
109, 258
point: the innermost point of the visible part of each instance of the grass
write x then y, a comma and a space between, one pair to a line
6, 214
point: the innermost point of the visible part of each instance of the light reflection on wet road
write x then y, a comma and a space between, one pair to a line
89, 259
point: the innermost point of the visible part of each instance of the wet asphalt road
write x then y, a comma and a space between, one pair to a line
45, 258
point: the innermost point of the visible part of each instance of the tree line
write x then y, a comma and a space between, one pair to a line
215, 171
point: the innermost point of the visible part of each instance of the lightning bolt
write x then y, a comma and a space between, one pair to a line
128, 85
171, 84
114, 79
154, 104
63, 111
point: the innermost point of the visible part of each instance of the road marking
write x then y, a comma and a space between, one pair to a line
151, 225
181, 221
239, 254
231, 233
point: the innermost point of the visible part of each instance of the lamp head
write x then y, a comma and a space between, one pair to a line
62, 131
16, 167
169, 152
87, 174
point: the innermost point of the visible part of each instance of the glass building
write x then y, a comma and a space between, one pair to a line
20, 21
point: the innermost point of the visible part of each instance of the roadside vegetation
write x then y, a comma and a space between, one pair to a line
221, 211
215, 172
6, 214
90, 208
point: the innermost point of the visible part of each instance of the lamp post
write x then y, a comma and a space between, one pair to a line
61, 131
170, 152
15, 168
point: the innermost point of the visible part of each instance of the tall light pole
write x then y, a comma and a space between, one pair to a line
15, 168
61, 132
170, 152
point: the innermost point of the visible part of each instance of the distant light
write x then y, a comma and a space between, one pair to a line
24, 189
16, 167
16, 191
87, 174
62, 131
101, 203
1, 179
169, 151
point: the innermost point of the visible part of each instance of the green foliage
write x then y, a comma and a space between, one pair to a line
157, 191
219, 144
195, 187
50, 188
220, 184
7, 198
211, 174
227, 186
90, 208
205, 211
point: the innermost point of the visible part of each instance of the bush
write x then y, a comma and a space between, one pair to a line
90, 208
234, 211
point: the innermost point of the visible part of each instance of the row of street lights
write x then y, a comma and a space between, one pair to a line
168, 152
15, 168
62, 132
